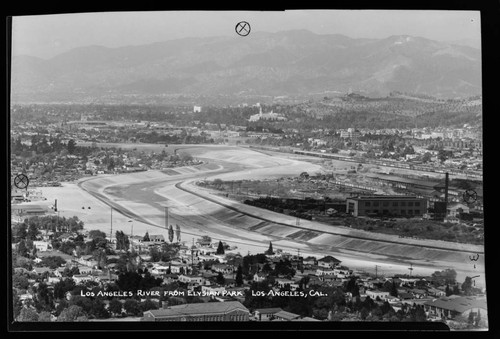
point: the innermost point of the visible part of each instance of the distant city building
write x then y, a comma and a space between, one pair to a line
197, 109
351, 133
266, 116
386, 205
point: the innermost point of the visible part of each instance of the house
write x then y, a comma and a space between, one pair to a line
329, 278
41, 270
207, 251
160, 269
342, 272
191, 279
170, 278
156, 238
325, 271
215, 311
85, 269
309, 261
264, 314
260, 276
328, 262
373, 294
41, 246
223, 268
87, 260
434, 292
81, 278
282, 283
455, 209
419, 293
285, 316
452, 306
26, 296
405, 295
178, 268
53, 280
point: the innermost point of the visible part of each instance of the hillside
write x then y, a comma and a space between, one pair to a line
291, 63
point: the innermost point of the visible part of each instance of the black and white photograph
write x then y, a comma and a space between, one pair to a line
292, 168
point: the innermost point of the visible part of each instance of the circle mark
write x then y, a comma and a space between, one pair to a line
469, 196
21, 181
242, 28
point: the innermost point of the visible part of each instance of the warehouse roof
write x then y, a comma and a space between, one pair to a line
198, 308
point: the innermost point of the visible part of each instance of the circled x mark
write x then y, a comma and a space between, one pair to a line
469, 196
242, 28
21, 181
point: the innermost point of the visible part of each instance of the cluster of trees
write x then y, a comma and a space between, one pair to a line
423, 229
251, 264
157, 138
165, 252
41, 145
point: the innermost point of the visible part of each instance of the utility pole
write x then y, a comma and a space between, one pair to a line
111, 232
411, 268
192, 256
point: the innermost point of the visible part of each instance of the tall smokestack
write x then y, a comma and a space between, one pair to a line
55, 206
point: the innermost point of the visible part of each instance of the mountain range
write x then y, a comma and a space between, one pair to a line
287, 63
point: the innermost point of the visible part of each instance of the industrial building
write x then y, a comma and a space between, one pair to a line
388, 205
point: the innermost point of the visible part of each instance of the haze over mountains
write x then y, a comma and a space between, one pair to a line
286, 63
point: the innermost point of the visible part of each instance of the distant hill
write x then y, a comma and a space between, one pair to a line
286, 63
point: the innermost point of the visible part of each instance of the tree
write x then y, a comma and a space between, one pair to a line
71, 146
448, 290
19, 231
448, 276
122, 241
270, 249
22, 250
178, 232
132, 307
426, 157
148, 304
96, 234
467, 286
71, 314
62, 287
20, 281
170, 233
146, 237
98, 309
155, 254
220, 279
44, 316
239, 276
44, 298
394, 289
220, 248
27, 315
115, 306
53, 262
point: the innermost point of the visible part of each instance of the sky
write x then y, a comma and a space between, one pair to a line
45, 36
